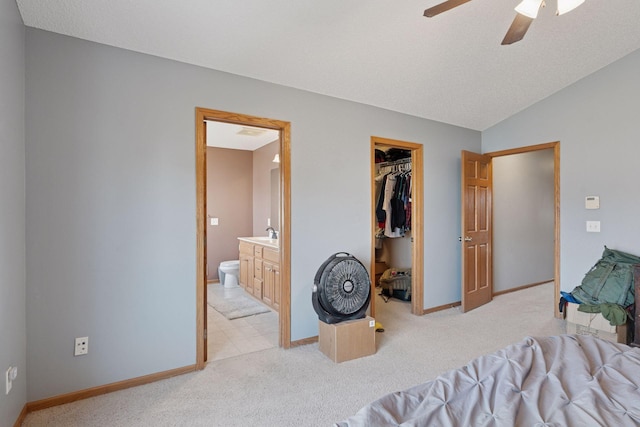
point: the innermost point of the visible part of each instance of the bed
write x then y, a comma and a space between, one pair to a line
566, 380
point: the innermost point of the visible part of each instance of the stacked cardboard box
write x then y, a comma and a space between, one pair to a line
347, 340
594, 324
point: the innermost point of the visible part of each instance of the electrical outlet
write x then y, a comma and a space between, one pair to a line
82, 346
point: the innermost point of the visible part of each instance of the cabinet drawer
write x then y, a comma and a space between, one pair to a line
257, 251
246, 248
257, 268
271, 255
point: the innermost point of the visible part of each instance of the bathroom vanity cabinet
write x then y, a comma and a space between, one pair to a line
246, 267
260, 271
271, 278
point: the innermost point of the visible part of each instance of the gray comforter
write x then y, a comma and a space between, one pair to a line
568, 380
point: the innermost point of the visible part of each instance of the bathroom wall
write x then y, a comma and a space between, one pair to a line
262, 165
242, 178
230, 199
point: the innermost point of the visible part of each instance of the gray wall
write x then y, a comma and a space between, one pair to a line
596, 122
12, 210
229, 198
523, 219
111, 203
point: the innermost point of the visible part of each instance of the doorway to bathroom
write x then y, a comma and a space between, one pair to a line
222, 167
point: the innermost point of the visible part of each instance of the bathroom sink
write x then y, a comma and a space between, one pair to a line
264, 240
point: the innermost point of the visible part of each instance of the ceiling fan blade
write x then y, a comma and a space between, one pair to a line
443, 7
518, 29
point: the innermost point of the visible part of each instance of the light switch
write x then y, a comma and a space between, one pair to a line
214, 221
593, 226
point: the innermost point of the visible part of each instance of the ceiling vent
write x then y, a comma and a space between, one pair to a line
248, 131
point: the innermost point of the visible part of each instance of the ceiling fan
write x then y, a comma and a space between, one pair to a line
527, 11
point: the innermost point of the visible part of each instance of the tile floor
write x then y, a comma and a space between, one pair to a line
230, 338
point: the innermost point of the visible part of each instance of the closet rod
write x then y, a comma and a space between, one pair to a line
395, 162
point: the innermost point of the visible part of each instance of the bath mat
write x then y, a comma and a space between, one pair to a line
237, 306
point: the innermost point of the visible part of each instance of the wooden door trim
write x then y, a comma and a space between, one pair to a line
555, 146
284, 314
417, 225
520, 150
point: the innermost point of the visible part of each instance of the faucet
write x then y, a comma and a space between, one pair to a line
273, 234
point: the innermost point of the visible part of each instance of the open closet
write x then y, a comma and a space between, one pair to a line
404, 252
393, 222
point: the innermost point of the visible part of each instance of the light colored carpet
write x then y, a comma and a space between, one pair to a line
236, 305
302, 387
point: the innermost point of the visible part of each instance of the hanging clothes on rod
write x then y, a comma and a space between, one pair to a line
393, 192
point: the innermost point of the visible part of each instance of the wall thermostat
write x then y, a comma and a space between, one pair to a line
592, 202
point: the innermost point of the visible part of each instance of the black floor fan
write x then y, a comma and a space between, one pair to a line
341, 289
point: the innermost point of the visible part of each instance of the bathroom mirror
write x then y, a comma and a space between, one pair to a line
275, 198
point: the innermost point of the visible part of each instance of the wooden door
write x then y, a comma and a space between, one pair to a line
477, 274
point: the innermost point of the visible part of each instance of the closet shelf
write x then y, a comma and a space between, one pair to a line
395, 162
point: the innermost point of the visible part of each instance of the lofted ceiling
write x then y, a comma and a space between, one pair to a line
450, 68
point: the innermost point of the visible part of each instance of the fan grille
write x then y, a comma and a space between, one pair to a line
346, 286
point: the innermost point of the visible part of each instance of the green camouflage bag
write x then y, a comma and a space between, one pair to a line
610, 280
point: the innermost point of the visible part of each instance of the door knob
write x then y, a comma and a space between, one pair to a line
467, 239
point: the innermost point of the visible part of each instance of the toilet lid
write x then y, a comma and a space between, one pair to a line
229, 263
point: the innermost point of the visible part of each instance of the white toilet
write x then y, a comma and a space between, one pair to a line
228, 272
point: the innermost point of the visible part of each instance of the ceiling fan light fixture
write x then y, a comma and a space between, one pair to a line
530, 8
565, 6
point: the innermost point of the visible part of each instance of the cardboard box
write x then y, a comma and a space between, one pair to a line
380, 267
594, 324
348, 340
